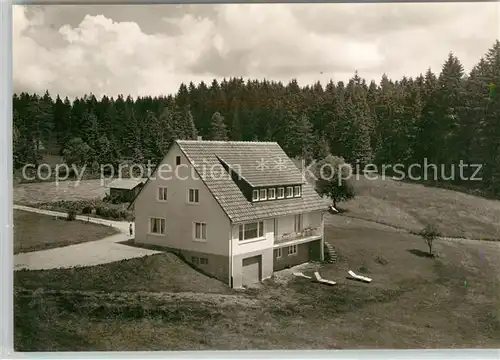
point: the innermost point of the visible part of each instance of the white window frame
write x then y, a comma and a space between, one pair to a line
164, 192
201, 239
263, 197
273, 192
289, 192
298, 225
255, 195
260, 229
293, 250
150, 229
299, 192
195, 191
279, 253
282, 191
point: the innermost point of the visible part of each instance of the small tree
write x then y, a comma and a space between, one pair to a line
332, 179
218, 128
429, 233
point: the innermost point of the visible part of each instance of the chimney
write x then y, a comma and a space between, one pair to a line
199, 138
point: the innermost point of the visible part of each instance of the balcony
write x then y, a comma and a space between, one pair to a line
291, 236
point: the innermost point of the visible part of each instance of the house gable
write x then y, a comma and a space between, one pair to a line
181, 215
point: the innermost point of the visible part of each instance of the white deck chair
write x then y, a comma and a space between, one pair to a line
323, 281
299, 274
359, 277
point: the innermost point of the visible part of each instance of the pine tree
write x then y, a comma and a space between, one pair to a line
218, 128
299, 137
450, 97
491, 125
191, 132
321, 148
359, 122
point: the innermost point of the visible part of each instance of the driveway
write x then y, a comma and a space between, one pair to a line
90, 253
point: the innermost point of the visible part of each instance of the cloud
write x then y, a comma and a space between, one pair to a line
150, 50
104, 57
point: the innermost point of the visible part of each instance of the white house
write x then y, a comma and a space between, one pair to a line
236, 210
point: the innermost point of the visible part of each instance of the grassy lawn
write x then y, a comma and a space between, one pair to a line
412, 206
28, 194
156, 273
413, 301
34, 232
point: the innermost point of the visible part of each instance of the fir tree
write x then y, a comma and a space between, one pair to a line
218, 128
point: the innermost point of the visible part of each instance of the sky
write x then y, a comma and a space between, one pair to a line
72, 50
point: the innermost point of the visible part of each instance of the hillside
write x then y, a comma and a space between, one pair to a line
411, 206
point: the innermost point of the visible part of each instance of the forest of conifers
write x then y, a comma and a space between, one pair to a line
444, 117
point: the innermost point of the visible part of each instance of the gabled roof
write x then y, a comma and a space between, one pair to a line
261, 164
127, 184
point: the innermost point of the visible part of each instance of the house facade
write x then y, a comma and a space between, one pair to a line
236, 210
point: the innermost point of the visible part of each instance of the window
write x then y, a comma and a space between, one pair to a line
203, 261
177, 160
263, 194
162, 194
281, 193
194, 196
298, 223
200, 231
289, 192
195, 260
278, 253
296, 191
271, 194
251, 231
255, 195
157, 226
292, 250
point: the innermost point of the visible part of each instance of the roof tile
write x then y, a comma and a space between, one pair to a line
261, 164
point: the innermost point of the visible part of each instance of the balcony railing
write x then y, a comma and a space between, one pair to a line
307, 232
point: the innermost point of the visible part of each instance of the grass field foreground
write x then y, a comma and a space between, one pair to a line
413, 302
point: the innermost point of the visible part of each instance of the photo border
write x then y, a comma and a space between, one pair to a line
6, 230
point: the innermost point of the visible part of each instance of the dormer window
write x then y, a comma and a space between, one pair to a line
271, 194
281, 193
276, 193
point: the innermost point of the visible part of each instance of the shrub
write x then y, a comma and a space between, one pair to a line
87, 209
114, 213
381, 260
71, 215
116, 199
123, 214
364, 268
102, 211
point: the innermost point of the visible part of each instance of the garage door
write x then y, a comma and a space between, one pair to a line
251, 270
